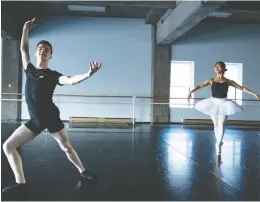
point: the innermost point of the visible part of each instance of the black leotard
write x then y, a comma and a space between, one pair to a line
219, 90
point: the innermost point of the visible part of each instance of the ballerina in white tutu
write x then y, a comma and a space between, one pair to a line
218, 107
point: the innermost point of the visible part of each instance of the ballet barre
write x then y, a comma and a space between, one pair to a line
122, 96
156, 100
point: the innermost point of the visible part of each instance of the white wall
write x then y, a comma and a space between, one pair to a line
124, 48
207, 44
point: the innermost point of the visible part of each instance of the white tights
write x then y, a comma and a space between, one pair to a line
219, 127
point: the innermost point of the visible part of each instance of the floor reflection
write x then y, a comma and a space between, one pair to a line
188, 154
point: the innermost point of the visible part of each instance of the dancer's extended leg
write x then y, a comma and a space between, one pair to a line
19, 137
63, 140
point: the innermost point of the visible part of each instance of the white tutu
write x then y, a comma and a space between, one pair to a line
218, 106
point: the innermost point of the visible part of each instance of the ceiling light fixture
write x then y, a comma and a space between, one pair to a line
85, 8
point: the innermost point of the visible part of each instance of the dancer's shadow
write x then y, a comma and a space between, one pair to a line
84, 190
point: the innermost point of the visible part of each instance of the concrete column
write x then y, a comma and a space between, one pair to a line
11, 73
161, 69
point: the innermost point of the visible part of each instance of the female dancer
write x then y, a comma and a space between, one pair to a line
40, 84
218, 107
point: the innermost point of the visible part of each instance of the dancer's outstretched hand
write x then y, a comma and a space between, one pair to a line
94, 67
257, 97
29, 25
189, 96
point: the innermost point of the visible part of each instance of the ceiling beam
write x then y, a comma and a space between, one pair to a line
232, 21
242, 5
187, 14
154, 15
241, 11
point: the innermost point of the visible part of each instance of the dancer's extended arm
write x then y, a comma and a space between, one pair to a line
244, 89
94, 67
201, 85
24, 46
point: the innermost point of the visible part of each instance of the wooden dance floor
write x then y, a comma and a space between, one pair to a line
151, 163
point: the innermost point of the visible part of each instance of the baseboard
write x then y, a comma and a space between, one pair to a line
228, 122
101, 120
96, 125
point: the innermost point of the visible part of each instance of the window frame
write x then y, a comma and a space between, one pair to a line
238, 94
190, 102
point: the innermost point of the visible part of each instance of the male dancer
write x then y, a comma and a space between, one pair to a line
40, 85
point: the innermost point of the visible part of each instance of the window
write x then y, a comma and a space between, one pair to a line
235, 72
182, 81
